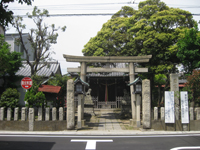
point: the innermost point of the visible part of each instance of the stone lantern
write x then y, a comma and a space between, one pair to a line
137, 83
80, 87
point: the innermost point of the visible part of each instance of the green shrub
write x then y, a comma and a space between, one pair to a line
10, 98
34, 99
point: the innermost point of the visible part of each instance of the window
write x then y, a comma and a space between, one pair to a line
78, 88
21, 49
138, 87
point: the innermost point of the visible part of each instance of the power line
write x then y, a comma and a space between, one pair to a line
70, 5
97, 14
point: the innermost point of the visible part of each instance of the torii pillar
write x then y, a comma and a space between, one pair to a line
132, 78
83, 77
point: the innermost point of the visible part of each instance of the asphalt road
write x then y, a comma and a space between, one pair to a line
75, 142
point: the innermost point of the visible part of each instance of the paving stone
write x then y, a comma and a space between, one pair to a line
108, 121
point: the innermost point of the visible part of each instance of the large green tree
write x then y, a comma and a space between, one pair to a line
189, 50
153, 29
10, 63
41, 38
6, 14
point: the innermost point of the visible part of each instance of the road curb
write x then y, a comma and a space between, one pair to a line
113, 132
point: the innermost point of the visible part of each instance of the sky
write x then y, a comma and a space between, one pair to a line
81, 28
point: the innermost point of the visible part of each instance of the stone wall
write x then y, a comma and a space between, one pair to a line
33, 119
158, 122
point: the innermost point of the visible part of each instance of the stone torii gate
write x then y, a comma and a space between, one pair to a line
111, 59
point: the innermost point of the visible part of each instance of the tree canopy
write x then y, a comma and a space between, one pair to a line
189, 50
41, 38
153, 29
192, 86
6, 14
10, 63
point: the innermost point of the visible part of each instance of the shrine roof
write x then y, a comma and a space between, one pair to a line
49, 89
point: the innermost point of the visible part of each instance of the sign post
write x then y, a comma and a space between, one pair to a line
26, 83
169, 107
184, 107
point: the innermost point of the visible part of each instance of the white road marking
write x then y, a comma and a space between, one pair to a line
91, 144
189, 147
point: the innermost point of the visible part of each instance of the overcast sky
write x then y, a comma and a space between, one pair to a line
81, 28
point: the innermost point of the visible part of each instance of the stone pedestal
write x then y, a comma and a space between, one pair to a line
61, 114
191, 113
70, 105
40, 114
162, 111
126, 105
54, 114
88, 103
24, 114
2, 113
146, 104
155, 113
89, 109
47, 114
9, 114
31, 119
198, 113
16, 114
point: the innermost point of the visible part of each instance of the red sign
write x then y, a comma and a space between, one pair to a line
26, 83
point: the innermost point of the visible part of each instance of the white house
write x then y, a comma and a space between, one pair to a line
11, 39
50, 70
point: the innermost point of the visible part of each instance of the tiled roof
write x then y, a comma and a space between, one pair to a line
49, 88
51, 69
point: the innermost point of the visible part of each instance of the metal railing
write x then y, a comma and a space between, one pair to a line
102, 104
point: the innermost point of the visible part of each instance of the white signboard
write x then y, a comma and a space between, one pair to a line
184, 107
169, 107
